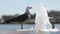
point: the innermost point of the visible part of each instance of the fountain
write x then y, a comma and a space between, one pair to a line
42, 19
42, 24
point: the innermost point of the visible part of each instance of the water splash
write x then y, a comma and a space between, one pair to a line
42, 19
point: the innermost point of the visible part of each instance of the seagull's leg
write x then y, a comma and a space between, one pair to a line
21, 26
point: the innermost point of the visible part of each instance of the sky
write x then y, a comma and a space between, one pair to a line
12, 7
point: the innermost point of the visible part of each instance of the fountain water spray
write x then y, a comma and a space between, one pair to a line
42, 24
42, 19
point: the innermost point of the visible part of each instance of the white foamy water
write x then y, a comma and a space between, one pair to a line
42, 19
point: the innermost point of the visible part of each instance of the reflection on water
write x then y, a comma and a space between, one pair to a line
15, 26
18, 26
25, 26
55, 33
9, 26
57, 26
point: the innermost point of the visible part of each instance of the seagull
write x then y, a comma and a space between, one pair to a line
22, 18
